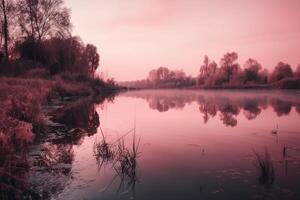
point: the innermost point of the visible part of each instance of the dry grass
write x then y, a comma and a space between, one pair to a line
22, 99
21, 116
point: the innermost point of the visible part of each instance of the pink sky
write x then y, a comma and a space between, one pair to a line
135, 36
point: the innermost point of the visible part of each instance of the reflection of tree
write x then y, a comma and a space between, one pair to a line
164, 104
263, 103
208, 109
281, 107
15, 137
228, 119
51, 169
229, 104
227, 111
14, 168
79, 115
52, 160
229, 108
43, 170
251, 110
55, 154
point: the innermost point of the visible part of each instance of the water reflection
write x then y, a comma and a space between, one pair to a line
189, 148
14, 166
78, 115
53, 157
226, 105
42, 170
13, 172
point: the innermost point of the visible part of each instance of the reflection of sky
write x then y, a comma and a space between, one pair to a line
135, 35
179, 152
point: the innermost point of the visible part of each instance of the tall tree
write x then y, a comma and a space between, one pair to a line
252, 69
162, 73
229, 66
207, 70
281, 71
204, 68
5, 28
92, 58
40, 19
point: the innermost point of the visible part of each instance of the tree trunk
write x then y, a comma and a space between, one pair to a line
5, 29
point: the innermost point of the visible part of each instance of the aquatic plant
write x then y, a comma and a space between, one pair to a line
122, 158
126, 163
103, 151
265, 168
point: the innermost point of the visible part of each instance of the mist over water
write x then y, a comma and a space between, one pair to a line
185, 144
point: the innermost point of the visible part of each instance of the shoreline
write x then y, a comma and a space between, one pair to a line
285, 84
22, 101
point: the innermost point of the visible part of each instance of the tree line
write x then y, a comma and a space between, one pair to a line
228, 74
37, 34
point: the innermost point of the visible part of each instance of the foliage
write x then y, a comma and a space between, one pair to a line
163, 77
208, 72
230, 74
39, 32
281, 71
58, 55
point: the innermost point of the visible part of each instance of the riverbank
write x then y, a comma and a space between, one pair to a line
22, 99
284, 84
30, 108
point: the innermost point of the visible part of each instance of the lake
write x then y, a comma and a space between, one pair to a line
173, 144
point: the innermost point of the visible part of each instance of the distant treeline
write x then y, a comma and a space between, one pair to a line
36, 36
228, 74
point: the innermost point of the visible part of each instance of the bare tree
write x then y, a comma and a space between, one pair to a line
9, 28
40, 19
5, 28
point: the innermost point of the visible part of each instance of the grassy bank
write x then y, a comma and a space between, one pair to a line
22, 118
21, 100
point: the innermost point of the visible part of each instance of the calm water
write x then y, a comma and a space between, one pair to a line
180, 144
